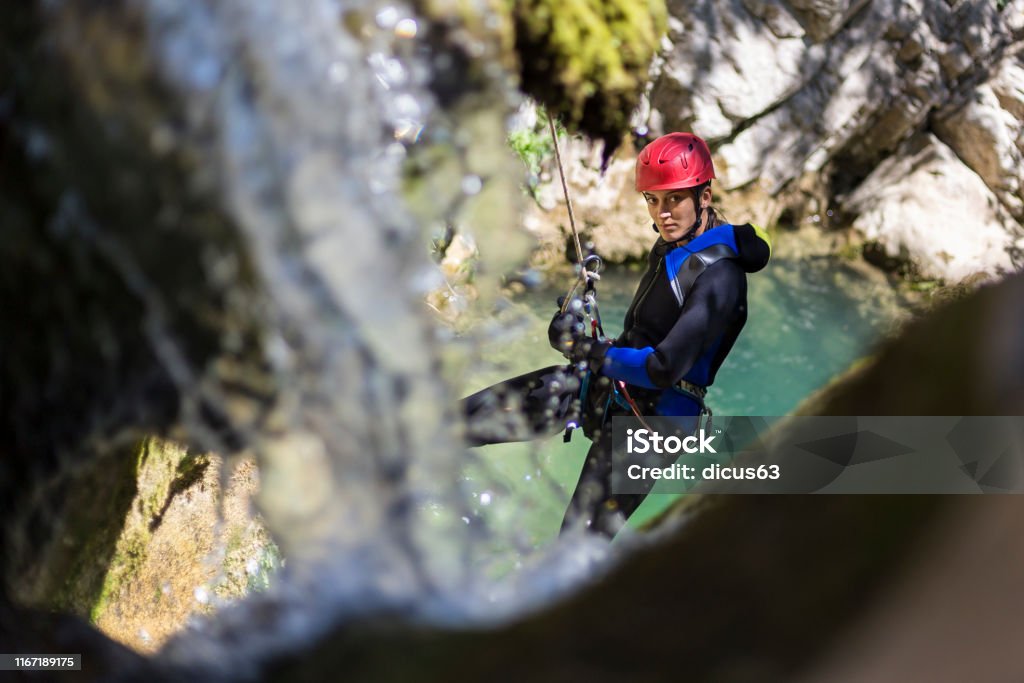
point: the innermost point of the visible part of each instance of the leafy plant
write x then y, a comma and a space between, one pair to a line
267, 564
533, 144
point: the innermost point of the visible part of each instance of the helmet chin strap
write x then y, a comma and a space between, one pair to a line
696, 223
692, 232
697, 192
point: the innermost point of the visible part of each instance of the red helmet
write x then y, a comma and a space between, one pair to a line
674, 162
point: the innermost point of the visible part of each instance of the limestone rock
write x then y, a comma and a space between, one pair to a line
852, 106
819, 93
987, 133
123, 320
796, 123
610, 216
924, 204
724, 68
822, 18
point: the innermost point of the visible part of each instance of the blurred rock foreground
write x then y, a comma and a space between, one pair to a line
172, 266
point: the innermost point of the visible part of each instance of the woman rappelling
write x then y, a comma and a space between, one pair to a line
688, 310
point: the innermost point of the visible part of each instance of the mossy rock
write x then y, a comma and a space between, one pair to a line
587, 60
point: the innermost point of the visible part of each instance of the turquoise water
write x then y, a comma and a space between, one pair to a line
808, 321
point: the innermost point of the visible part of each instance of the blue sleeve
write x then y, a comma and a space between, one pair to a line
710, 307
629, 365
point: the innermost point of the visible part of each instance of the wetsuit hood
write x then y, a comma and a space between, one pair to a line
751, 243
753, 247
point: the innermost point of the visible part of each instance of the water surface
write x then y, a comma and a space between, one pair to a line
808, 320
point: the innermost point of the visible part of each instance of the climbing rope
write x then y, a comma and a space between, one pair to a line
565, 190
587, 278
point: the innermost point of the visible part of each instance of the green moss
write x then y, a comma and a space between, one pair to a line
235, 541
940, 294
130, 554
587, 60
243, 546
70, 573
162, 471
267, 565
851, 252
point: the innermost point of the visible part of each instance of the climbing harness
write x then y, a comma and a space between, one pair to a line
697, 394
622, 397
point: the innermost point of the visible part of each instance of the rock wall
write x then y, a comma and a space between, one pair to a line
815, 110
609, 214
771, 588
112, 329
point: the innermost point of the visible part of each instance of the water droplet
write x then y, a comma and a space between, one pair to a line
162, 139
337, 72
532, 278
394, 152
472, 184
406, 28
442, 62
485, 498
408, 131
387, 17
476, 48
388, 71
37, 144
202, 596
407, 107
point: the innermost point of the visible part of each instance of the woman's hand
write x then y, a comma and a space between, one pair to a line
590, 351
566, 329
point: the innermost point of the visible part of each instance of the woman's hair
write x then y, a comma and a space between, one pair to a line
715, 218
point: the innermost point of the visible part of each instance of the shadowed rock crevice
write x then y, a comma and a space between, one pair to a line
67, 572
110, 237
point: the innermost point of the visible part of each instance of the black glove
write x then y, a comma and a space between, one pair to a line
567, 328
590, 351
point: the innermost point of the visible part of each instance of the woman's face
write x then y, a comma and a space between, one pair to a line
674, 211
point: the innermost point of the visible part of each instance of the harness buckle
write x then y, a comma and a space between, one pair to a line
691, 388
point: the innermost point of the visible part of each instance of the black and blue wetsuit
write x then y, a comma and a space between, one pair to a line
687, 312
